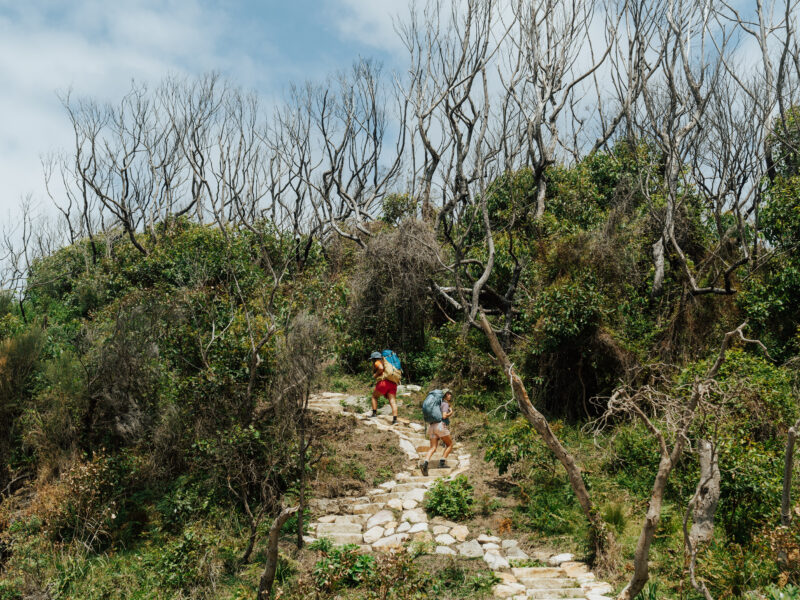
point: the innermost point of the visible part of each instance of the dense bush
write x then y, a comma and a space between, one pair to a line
452, 500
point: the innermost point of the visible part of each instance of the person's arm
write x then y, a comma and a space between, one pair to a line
447, 412
377, 370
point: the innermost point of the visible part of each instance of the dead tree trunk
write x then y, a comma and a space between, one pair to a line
788, 467
703, 507
268, 577
601, 537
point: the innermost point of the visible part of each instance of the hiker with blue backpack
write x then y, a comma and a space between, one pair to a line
386, 369
436, 410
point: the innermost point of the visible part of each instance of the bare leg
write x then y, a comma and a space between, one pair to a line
434, 442
392, 402
449, 441
375, 396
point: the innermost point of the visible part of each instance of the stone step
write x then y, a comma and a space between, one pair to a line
367, 508
547, 583
570, 593
324, 529
340, 539
406, 487
537, 572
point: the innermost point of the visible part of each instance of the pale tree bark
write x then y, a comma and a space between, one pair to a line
601, 537
788, 469
678, 416
703, 507
268, 576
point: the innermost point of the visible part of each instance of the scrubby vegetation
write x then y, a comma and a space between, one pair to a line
619, 324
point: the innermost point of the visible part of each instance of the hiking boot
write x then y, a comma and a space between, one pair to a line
394, 420
424, 468
442, 464
374, 413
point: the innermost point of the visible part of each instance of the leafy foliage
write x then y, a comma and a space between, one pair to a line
452, 500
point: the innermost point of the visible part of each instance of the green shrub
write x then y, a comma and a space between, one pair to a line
788, 592
614, 515
452, 500
342, 567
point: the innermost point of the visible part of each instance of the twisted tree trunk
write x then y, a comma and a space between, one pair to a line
601, 537
268, 577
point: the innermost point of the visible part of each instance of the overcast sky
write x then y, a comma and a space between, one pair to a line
95, 48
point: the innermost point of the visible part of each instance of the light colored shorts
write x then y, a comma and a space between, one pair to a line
438, 430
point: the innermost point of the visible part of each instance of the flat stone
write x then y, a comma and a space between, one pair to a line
390, 531
445, 550
495, 561
367, 508
488, 539
491, 546
506, 544
309, 539
423, 536
324, 529
341, 539
418, 527
417, 495
438, 529
373, 535
516, 553
460, 532
387, 485
412, 388
404, 526
385, 410
560, 558
470, 549
505, 577
574, 569
327, 519
416, 426
379, 518
445, 539
409, 504
415, 516
391, 542
350, 519
404, 476
395, 503
507, 590
408, 448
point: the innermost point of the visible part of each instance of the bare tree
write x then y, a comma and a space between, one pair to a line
669, 419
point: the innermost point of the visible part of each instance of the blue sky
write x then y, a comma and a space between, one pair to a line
96, 47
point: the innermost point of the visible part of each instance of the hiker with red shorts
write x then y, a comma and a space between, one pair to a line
385, 387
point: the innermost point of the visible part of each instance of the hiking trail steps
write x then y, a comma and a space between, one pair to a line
392, 514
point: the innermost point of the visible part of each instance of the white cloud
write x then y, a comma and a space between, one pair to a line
370, 22
95, 49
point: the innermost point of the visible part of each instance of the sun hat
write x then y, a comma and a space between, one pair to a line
375, 356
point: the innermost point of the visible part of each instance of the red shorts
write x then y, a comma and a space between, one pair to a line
386, 387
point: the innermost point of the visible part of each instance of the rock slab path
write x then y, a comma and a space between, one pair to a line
392, 515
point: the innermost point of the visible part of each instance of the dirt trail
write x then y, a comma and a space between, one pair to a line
392, 515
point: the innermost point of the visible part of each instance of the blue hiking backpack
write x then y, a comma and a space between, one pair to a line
432, 406
392, 358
